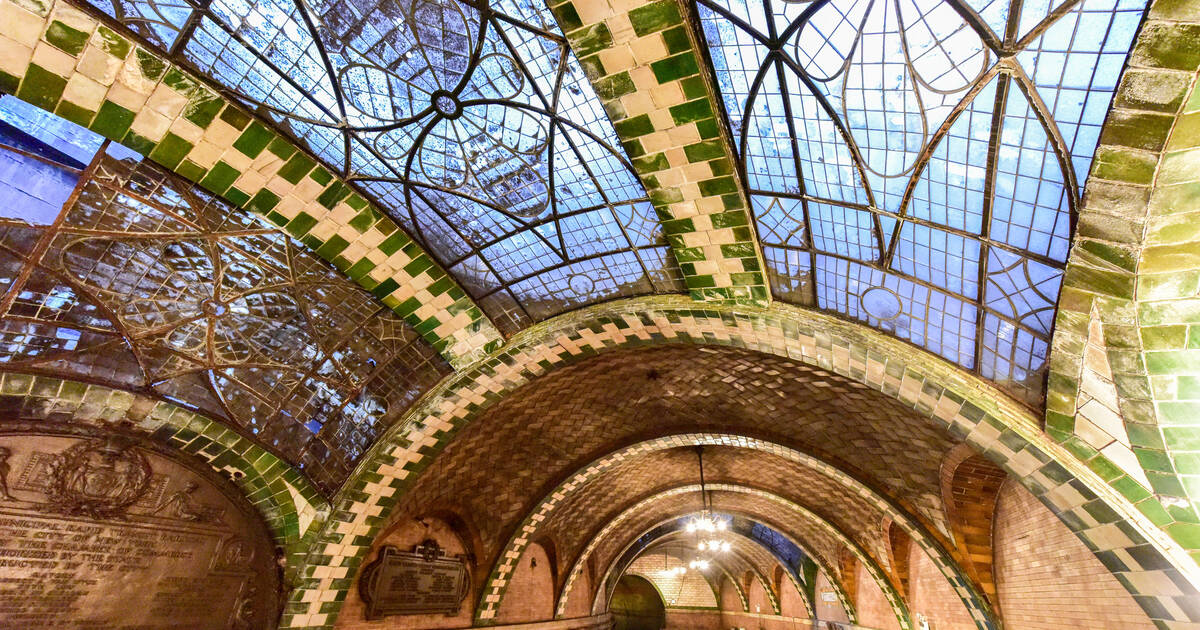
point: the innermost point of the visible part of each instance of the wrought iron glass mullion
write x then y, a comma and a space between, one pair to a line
1046, 260
34, 258
237, 37
972, 19
1065, 7
1053, 136
450, 262
608, 203
875, 266
922, 162
851, 144
477, 252
549, 102
1003, 85
794, 142
199, 9
334, 84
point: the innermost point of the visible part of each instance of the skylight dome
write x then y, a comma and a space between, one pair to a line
916, 164
473, 125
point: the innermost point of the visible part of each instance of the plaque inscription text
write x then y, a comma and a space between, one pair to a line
99, 533
425, 580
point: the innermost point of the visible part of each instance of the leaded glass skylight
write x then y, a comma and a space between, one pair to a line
916, 164
114, 271
472, 122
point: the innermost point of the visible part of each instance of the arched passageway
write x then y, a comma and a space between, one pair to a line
637, 605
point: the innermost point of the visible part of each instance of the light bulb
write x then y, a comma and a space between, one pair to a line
721, 525
725, 546
701, 546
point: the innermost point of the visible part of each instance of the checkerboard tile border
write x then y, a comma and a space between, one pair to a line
88, 70
530, 528
645, 65
1151, 565
292, 508
1135, 266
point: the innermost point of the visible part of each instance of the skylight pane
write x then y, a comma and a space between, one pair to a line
478, 132
939, 181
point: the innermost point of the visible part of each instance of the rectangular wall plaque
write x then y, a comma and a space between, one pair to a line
425, 580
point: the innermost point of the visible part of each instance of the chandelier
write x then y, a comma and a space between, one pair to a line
706, 527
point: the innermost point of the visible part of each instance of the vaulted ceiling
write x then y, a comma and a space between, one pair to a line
384, 242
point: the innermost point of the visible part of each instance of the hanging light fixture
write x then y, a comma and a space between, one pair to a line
706, 524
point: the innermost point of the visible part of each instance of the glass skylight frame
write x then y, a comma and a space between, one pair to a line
520, 269
966, 236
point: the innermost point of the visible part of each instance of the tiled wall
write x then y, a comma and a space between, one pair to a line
871, 604
930, 596
1135, 266
1047, 580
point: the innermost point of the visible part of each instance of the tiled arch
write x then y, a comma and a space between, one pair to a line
1126, 347
1155, 568
293, 510
580, 562
530, 528
847, 545
731, 564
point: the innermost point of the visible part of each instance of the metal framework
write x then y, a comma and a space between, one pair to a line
916, 164
142, 282
472, 123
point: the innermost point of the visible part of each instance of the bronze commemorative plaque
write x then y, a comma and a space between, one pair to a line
105, 531
425, 580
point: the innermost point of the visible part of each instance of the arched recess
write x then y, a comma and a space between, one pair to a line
727, 579
639, 605
898, 547
494, 589
533, 580
292, 508
767, 589
970, 485
846, 547
1005, 432
847, 564
580, 564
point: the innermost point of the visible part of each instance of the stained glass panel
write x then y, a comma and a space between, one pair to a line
917, 169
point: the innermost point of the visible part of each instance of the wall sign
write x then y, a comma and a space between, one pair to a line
426, 580
105, 530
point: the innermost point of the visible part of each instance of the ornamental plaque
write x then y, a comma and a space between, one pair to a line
101, 530
426, 580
